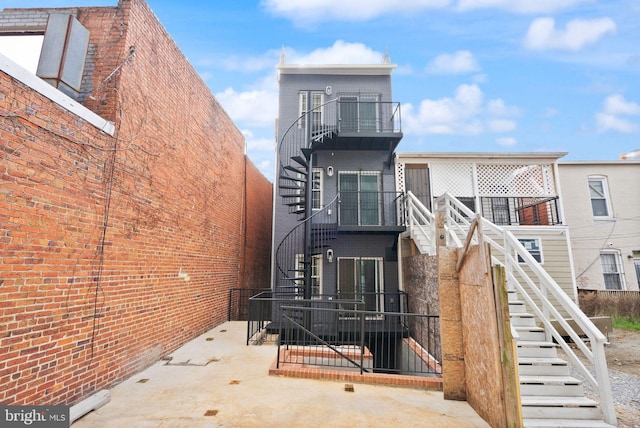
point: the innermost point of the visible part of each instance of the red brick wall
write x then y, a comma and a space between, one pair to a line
83, 306
259, 204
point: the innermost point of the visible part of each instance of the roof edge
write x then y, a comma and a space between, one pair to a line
484, 155
337, 69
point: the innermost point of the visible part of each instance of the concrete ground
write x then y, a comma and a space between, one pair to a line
217, 381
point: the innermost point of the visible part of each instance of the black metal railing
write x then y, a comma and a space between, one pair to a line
370, 209
290, 252
521, 211
362, 341
239, 302
264, 309
335, 116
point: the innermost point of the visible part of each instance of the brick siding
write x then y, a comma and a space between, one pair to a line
114, 251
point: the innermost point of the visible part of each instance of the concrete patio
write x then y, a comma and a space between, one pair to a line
217, 381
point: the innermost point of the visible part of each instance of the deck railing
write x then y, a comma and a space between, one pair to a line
370, 209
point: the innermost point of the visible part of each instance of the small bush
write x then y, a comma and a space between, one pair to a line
622, 305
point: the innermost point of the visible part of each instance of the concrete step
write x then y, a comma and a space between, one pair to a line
529, 348
552, 407
565, 423
566, 386
532, 366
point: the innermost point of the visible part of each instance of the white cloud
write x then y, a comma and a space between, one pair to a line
465, 113
519, 6
506, 141
609, 118
340, 52
616, 104
457, 63
345, 10
257, 107
501, 125
543, 35
254, 143
550, 112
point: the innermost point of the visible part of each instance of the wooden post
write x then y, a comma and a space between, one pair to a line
508, 353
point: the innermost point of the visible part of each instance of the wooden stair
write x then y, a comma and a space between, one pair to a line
550, 396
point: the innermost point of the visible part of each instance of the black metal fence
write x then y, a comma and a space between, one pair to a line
521, 211
264, 308
239, 302
360, 341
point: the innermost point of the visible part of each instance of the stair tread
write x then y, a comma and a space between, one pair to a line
521, 315
561, 380
565, 423
536, 343
542, 361
556, 401
286, 177
300, 160
529, 328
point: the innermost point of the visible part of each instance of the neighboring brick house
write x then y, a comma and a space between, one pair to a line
602, 203
127, 212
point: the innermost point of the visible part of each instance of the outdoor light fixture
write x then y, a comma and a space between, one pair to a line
330, 255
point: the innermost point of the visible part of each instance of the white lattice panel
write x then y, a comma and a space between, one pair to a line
455, 178
400, 177
515, 180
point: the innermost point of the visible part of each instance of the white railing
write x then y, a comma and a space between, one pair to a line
536, 287
421, 224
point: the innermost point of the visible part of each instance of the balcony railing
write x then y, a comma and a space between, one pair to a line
521, 211
370, 209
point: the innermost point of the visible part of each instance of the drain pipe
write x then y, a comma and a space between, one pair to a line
93, 402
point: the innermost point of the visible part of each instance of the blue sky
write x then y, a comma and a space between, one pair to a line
473, 75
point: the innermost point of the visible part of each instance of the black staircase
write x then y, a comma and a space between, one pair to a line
315, 229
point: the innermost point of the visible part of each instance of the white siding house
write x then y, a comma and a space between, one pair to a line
602, 209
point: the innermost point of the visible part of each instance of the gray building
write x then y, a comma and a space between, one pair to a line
337, 212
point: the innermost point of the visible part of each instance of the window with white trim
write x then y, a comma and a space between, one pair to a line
599, 194
612, 270
317, 109
534, 247
316, 274
317, 176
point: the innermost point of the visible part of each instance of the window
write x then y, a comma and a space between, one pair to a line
533, 246
362, 278
317, 109
316, 188
359, 113
612, 270
598, 193
359, 198
316, 275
